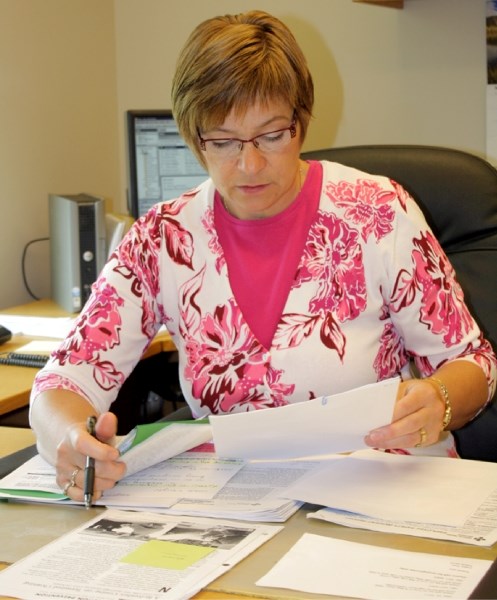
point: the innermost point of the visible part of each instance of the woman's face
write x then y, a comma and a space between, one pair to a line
255, 184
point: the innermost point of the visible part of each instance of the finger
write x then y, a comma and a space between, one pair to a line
67, 458
112, 471
73, 484
96, 447
106, 427
411, 440
406, 427
71, 463
410, 432
407, 419
67, 478
416, 395
417, 409
76, 493
70, 482
411, 398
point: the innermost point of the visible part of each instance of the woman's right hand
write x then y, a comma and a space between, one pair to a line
73, 450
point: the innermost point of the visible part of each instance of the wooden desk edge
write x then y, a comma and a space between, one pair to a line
8, 405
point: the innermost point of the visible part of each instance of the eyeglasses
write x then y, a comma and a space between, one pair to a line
271, 141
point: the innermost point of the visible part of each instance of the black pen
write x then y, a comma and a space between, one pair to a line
90, 466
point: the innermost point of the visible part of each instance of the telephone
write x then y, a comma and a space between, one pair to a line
5, 334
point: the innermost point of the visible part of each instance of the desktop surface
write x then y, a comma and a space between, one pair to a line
16, 382
26, 527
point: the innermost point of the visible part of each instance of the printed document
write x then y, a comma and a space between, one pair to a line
194, 483
322, 426
198, 476
323, 565
151, 443
255, 493
400, 487
480, 529
122, 555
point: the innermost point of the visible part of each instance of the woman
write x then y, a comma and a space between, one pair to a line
280, 280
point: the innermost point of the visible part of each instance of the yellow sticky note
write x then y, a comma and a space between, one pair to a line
167, 555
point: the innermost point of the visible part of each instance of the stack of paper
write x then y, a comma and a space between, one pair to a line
257, 492
406, 494
198, 483
195, 482
142, 447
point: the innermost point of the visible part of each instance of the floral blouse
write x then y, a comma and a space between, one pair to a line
374, 295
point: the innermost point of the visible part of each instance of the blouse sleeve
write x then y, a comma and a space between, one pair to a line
426, 302
115, 326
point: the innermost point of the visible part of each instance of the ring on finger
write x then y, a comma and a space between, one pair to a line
422, 437
72, 482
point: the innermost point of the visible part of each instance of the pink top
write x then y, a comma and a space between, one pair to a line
262, 286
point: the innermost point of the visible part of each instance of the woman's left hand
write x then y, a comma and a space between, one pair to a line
417, 418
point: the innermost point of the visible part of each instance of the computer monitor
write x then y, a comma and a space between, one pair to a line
161, 166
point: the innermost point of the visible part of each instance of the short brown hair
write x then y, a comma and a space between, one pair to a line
233, 61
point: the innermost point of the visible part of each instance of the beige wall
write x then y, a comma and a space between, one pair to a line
382, 75
73, 67
58, 124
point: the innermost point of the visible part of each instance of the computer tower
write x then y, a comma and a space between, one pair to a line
77, 247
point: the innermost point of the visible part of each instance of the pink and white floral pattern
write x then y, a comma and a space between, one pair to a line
442, 307
98, 330
332, 260
367, 205
343, 324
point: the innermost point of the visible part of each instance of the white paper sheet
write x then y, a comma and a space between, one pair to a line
43, 347
322, 565
321, 426
173, 439
479, 530
425, 489
51, 327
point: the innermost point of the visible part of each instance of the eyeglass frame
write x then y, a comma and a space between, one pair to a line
292, 128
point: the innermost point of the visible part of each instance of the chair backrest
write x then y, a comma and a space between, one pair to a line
458, 195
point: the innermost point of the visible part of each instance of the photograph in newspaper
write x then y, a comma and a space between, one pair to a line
130, 555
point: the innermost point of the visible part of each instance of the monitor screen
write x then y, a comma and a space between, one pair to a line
161, 166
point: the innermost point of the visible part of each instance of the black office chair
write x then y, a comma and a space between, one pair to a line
458, 194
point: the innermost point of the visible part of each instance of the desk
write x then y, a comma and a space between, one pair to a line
26, 527
16, 382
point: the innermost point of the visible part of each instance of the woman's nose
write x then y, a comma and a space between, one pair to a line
251, 159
